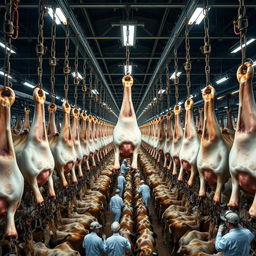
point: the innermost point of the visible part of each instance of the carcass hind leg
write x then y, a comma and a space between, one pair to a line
37, 193
135, 158
234, 198
219, 186
252, 210
51, 187
181, 174
73, 174
192, 175
117, 163
202, 191
63, 178
10, 230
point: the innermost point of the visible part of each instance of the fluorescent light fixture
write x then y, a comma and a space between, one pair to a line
8, 49
4, 74
180, 102
154, 99
47, 93
197, 16
57, 97
29, 85
129, 69
161, 91
59, 16
220, 97
254, 63
226, 107
78, 74
173, 75
235, 92
131, 31
62, 100
247, 43
221, 80
94, 91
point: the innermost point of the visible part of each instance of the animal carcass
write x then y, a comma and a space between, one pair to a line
84, 142
11, 180
126, 134
168, 140
36, 161
190, 145
212, 160
242, 162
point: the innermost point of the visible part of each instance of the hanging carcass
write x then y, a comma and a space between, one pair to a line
126, 134
168, 141
11, 179
242, 162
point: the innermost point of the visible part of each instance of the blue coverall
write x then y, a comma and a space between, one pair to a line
116, 204
116, 245
123, 168
121, 181
235, 243
93, 245
145, 191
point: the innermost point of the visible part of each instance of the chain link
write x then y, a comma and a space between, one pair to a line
66, 69
53, 61
206, 49
168, 86
90, 94
240, 28
176, 78
76, 78
40, 48
127, 50
84, 88
187, 64
8, 30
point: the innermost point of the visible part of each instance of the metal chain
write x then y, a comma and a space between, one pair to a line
76, 78
9, 30
127, 50
241, 24
176, 78
40, 49
53, 61
66, 69
161, 91
15, 18
84, 88
168, 86
207, 45
187, 64
90, 94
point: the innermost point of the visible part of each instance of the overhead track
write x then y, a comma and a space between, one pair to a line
82, 38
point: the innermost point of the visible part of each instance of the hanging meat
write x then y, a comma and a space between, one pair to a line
242, 162
168, 140
11, 179
90, 138
177, 140
76, 140
26, 123
18, 125
84, 142
160, 139
126, 134
64, 151
36, 161
212, 160
190, 145
52, 131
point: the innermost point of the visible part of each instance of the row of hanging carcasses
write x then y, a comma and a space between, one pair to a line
35, 152
219, 156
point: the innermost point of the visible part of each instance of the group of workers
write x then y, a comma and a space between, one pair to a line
236, 242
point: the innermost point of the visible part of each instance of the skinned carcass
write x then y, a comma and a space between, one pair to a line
52, 131
64, 151
160, 139
190, 145
212, 160
126, 134
84, 142
36, 161
168, 141
90, 139
242, 162
177, 140
26, 123
11, 179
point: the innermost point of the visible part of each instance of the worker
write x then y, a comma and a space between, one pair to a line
121, 181
116, 245
237, 242
124, 168
92, 243
145, 191
116, 204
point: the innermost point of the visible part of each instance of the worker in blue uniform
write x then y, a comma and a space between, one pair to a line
116, 204
237, 242
116, 245
92, 243
124, 168
121, 181
145, 192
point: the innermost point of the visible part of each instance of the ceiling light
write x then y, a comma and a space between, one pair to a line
4, 74
243, 45
254, 63
235, 92
29, 84
197, 16
221, 80
47, 93
129, 69
131, 32
173, 75
94, 91
78, 74
221, 97
161, 91
8, 49
154, 99
62, 100
180, 102
59, 16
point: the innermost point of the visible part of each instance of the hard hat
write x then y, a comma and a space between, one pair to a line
117, 191
230, 217
95, 224
124, 161
115, 226
142, 181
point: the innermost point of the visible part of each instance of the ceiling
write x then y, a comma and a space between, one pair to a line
95, 26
